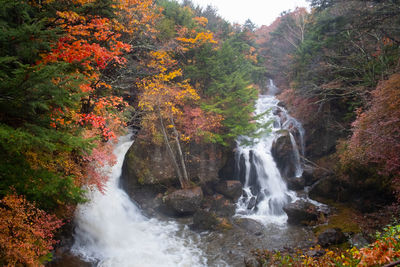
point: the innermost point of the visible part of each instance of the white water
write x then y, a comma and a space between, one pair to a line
263, 182
111, 230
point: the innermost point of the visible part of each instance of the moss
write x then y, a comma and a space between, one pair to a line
343, 218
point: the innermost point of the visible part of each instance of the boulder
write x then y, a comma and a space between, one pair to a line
230, 188
205, 220
222, 206
295, 183
251, 226
147, 164
302, 212
148, 167
252, 203
183, 201
332, 236
282, 151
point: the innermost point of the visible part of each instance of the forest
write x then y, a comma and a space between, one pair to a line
75, 75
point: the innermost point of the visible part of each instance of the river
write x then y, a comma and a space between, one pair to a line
111, 230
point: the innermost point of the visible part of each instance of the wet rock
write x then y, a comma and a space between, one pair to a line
332, 236
295, 183
230, 188
302, 212
324, 209
253, 175
184, 201
358, 241
282, 104
205, 220
250, 226
282, 151
252, 203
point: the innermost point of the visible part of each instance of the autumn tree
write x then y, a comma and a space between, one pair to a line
374, 143
59, 114
26, 232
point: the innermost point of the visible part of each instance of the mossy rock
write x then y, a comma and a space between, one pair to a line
342, 218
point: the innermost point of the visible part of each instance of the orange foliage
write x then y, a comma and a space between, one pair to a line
26, 232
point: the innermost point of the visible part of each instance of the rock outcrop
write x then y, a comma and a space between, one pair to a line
302, 212
148, 169
183, 201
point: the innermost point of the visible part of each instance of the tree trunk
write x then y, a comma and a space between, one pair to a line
170, 151
178, 144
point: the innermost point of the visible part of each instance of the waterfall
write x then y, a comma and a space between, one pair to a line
265, 192
111, 230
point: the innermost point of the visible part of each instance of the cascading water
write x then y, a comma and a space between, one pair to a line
111, 230
264, 191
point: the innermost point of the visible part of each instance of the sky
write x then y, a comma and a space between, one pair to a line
260, 12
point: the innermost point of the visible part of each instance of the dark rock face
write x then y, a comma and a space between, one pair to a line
302, 212
309, 176
282, 151
295, 183
333, 236
230, 188
326, 187
228, 170
205, 220
184, 201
